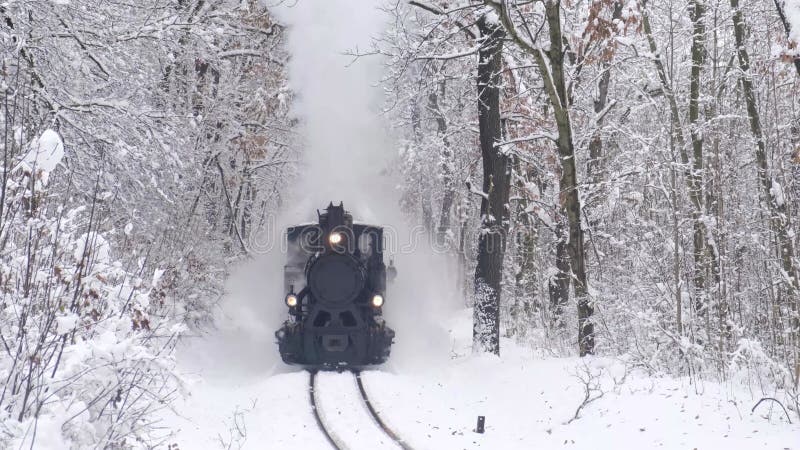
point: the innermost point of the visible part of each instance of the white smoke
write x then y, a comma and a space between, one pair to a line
338, 101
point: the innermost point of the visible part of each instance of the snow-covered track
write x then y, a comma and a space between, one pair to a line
312, 397
346, 416
376, 417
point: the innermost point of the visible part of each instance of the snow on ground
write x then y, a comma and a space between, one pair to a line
528, 402
259, 414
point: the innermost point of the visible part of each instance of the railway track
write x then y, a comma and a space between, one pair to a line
334, 438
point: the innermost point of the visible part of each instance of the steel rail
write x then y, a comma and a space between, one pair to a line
376, 417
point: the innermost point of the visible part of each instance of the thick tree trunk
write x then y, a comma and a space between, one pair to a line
496, 185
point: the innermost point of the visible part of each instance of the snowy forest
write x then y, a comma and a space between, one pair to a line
607, 180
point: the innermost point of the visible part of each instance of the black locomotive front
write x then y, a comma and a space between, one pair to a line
335, 281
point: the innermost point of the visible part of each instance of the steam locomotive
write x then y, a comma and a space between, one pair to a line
335, 284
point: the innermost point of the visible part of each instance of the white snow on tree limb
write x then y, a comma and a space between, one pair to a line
792, 11
44, 155
99, 248
777, 193
66, 323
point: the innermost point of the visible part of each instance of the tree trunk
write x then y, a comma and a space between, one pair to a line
714, 196
558, 285
595, 168
463, 284
551, 68
496, 185
443, 231
527, 236
697, 12
422, 194
568, 184
676, 239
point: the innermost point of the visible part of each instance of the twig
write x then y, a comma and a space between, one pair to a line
588, 388
441, 12
776, 401
473, 190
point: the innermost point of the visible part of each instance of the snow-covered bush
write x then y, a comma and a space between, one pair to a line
87, 352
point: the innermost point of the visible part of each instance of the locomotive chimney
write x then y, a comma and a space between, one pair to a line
335, 216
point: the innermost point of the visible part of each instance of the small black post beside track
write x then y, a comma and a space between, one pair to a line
376, 416
312, 398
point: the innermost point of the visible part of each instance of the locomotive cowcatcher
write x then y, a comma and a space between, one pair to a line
335, 284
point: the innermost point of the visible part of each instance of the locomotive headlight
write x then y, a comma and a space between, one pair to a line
377, 300
335, 238
291, 300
